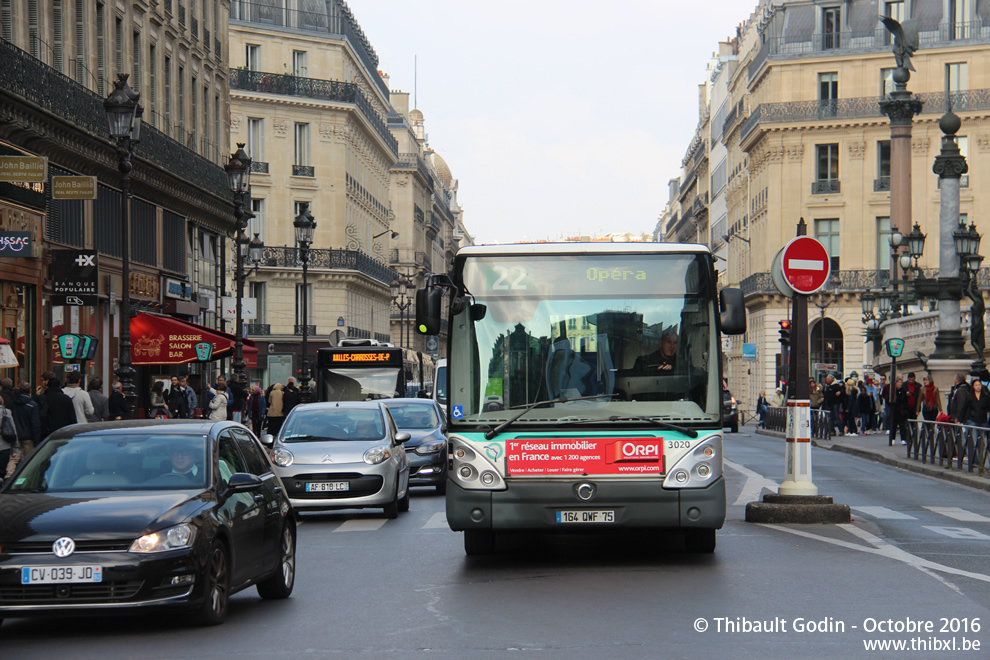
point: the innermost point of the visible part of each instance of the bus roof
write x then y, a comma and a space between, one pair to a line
583, 248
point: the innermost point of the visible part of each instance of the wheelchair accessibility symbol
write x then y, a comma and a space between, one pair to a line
458, 412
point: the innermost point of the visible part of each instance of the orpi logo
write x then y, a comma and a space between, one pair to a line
640, 450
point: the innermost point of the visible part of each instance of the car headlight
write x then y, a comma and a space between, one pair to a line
431, 447
282, 457
173, 538
376, 455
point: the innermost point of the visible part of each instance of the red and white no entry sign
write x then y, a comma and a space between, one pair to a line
806, 264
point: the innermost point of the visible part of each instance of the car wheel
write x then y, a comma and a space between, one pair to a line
700, 541
404, 502
213, 611
280, 583
479, 542
392, 508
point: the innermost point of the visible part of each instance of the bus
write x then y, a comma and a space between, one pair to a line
440, 385
363, 369
584, 389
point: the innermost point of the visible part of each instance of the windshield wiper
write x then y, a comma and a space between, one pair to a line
525, 409
691, 433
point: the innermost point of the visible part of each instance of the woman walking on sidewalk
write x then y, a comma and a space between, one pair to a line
930, 403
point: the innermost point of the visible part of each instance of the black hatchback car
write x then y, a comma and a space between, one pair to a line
426, 424
131, 515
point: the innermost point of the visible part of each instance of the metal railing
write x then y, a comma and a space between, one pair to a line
945, 442
259, 166
288, 257
310, 330
881, 184
825, 187
263, 329
304, 170
820, 427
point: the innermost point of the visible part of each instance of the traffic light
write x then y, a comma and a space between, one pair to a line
785, 332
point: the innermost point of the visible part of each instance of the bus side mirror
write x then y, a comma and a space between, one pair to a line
429, 301
733, 311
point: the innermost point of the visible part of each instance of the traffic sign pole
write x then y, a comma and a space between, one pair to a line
803, 265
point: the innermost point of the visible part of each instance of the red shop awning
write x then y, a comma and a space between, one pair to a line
157, 339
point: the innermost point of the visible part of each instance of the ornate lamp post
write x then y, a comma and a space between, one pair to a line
238, 170
304, 225
399, 289
124, 117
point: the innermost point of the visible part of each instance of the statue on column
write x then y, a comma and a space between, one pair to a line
906, 40
976, 324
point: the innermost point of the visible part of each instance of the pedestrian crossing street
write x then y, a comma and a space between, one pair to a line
950, 512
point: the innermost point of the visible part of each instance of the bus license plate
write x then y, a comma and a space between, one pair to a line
327, 487
586, 516
60, 574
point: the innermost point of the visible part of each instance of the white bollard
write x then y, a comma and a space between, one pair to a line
797, 458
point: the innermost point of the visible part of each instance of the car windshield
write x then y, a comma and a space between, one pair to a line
333, 423
117, 462
413, 415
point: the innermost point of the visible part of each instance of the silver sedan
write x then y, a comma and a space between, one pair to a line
345, 455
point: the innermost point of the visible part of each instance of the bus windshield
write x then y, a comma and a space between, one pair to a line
596, 336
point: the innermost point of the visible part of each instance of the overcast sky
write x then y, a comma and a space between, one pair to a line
557, 117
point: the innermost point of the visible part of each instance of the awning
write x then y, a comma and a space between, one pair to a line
157, 339
7, 357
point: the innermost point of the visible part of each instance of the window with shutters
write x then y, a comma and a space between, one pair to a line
193, 111
106, 222
256, 225
7, 18
144, 237
206, 123
173, 242
181, 103
81, 68
118, 35
58, 42
217, 129
136, 64
33, 42
256, 139
259, 293
153, 86
101, 53
168, 96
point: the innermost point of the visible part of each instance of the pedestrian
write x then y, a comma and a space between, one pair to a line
778, 397
850, 407
101, 403
931, 400
117, 405
237, 404
815, 395
258, 408
7, 392
27, 420
218, 404
60, 409
159, 405
833, 395
884, 394
192, 402
866, 408
275, 410
8, 437
290, 397
913, 390
178, 403
762, 406
900, 410
80, 398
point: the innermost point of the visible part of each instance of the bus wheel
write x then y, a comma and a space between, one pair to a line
479, 542
701, 541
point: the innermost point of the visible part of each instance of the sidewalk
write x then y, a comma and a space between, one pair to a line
876, 448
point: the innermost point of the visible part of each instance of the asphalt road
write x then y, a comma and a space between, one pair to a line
915, 557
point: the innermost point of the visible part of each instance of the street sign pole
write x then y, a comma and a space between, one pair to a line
797, 476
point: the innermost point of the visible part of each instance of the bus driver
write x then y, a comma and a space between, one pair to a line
662, 359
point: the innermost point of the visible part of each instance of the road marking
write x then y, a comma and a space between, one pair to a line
361, 525
958, 514
755, 483
959, 533
437, 521
882, 513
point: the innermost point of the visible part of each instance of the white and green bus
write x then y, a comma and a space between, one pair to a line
584, 388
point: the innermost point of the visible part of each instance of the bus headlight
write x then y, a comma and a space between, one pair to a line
474, 470
699, 467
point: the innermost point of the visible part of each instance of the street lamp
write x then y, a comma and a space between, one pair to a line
238, 170
394, 236
399, 289
124, 112
822, 304
304, 226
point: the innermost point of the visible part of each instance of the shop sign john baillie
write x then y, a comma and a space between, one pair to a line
75, 277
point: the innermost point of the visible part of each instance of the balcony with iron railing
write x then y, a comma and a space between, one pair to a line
304, 170
182, 14
41, 85
312, 88
194, 28
343, 25
207, 42
334, 259
881, 184
259, 167
413, 160
310, 330
826, 187
258, 329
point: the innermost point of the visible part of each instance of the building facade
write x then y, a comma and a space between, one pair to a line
59, 60
805, 138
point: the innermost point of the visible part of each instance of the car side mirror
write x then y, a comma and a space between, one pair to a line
242, 482
402, 437
268, 439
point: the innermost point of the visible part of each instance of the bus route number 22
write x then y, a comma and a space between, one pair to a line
514, 278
